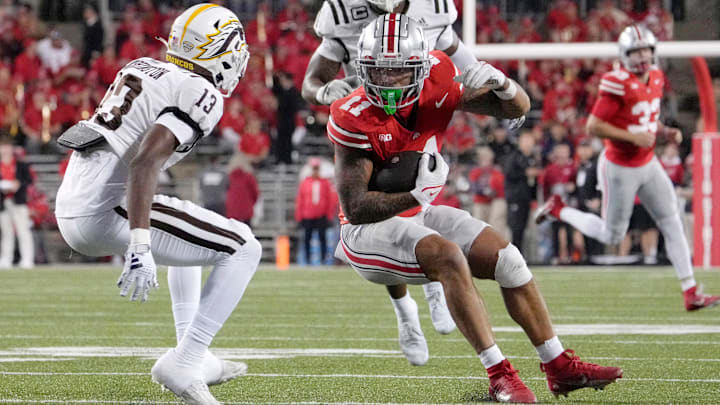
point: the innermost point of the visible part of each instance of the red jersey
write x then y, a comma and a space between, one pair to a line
355, 123
556, 176
488, 184
674, 169
316, 199
627, 103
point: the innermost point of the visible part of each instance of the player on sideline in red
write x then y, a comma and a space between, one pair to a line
406, 102
625, 115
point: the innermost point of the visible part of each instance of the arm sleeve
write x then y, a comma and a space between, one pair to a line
341, 131
197, 110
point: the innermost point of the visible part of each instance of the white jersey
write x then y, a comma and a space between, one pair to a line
340, 22
145, 92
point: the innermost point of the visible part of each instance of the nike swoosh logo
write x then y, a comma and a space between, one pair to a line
439, 104
433, 194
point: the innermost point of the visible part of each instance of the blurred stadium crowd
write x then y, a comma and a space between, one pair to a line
47, 85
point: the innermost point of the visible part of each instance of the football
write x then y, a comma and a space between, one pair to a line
397, 174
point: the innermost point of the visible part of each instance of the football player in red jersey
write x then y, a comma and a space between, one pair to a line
625, 115
405, 104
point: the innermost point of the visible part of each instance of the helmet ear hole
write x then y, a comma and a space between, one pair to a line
226, 65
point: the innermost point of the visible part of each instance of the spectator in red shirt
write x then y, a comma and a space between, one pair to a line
487, 183
527, 33
135, 47
671, 162
315, 207
243, 192
495, 29
559, 178
35, 125
70, 75
292, 16
254, 143
27, 65
14, 215
232, 123
460, 136
106, 66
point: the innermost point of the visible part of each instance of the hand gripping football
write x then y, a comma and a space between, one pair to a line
397, 174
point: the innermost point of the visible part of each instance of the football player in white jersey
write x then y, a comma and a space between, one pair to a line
339, 23
150, 118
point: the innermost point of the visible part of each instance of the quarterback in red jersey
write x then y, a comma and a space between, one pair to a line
405, 104
625, 115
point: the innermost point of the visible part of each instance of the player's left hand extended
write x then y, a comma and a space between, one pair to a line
481, 75
140, 270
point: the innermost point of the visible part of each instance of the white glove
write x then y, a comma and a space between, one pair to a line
139, 269
429, 183
481, 74
334, 90
516, 123
7, 185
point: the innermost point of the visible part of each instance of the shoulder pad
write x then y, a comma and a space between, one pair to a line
342, 18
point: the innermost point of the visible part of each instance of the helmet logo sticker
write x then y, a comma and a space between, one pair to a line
187, 46
218, 43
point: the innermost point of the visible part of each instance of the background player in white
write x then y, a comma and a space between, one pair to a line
339, 23
406, 102
150, 117
625, 115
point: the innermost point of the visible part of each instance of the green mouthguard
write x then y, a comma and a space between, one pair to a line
391, 96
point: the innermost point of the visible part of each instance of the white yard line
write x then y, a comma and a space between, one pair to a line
364, 376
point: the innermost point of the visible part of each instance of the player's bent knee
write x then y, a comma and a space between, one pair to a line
511, 271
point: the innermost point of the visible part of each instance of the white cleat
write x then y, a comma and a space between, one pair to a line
185, 382
439, 313
218, 371
413, 343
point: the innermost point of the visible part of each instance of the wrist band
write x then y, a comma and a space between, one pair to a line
139, 236
507, 94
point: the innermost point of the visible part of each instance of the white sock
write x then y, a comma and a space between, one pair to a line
185, 284
222, 292
677, 249
588, 224
550, 349
194, 344
432, 287
491, 356
405, 309
687, 283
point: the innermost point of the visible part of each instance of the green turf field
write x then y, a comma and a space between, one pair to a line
327, 336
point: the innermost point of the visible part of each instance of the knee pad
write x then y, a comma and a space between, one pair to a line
511, 271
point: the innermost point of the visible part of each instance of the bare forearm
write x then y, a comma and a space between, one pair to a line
142, 182
602, 129
310, 87
484, 101
375, 206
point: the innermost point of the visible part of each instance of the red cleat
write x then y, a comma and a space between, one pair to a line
567, 373
506, 386
695, 299
551, 208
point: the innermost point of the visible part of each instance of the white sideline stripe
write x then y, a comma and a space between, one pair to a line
149, 353
100, 401
368, 376
560, 329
